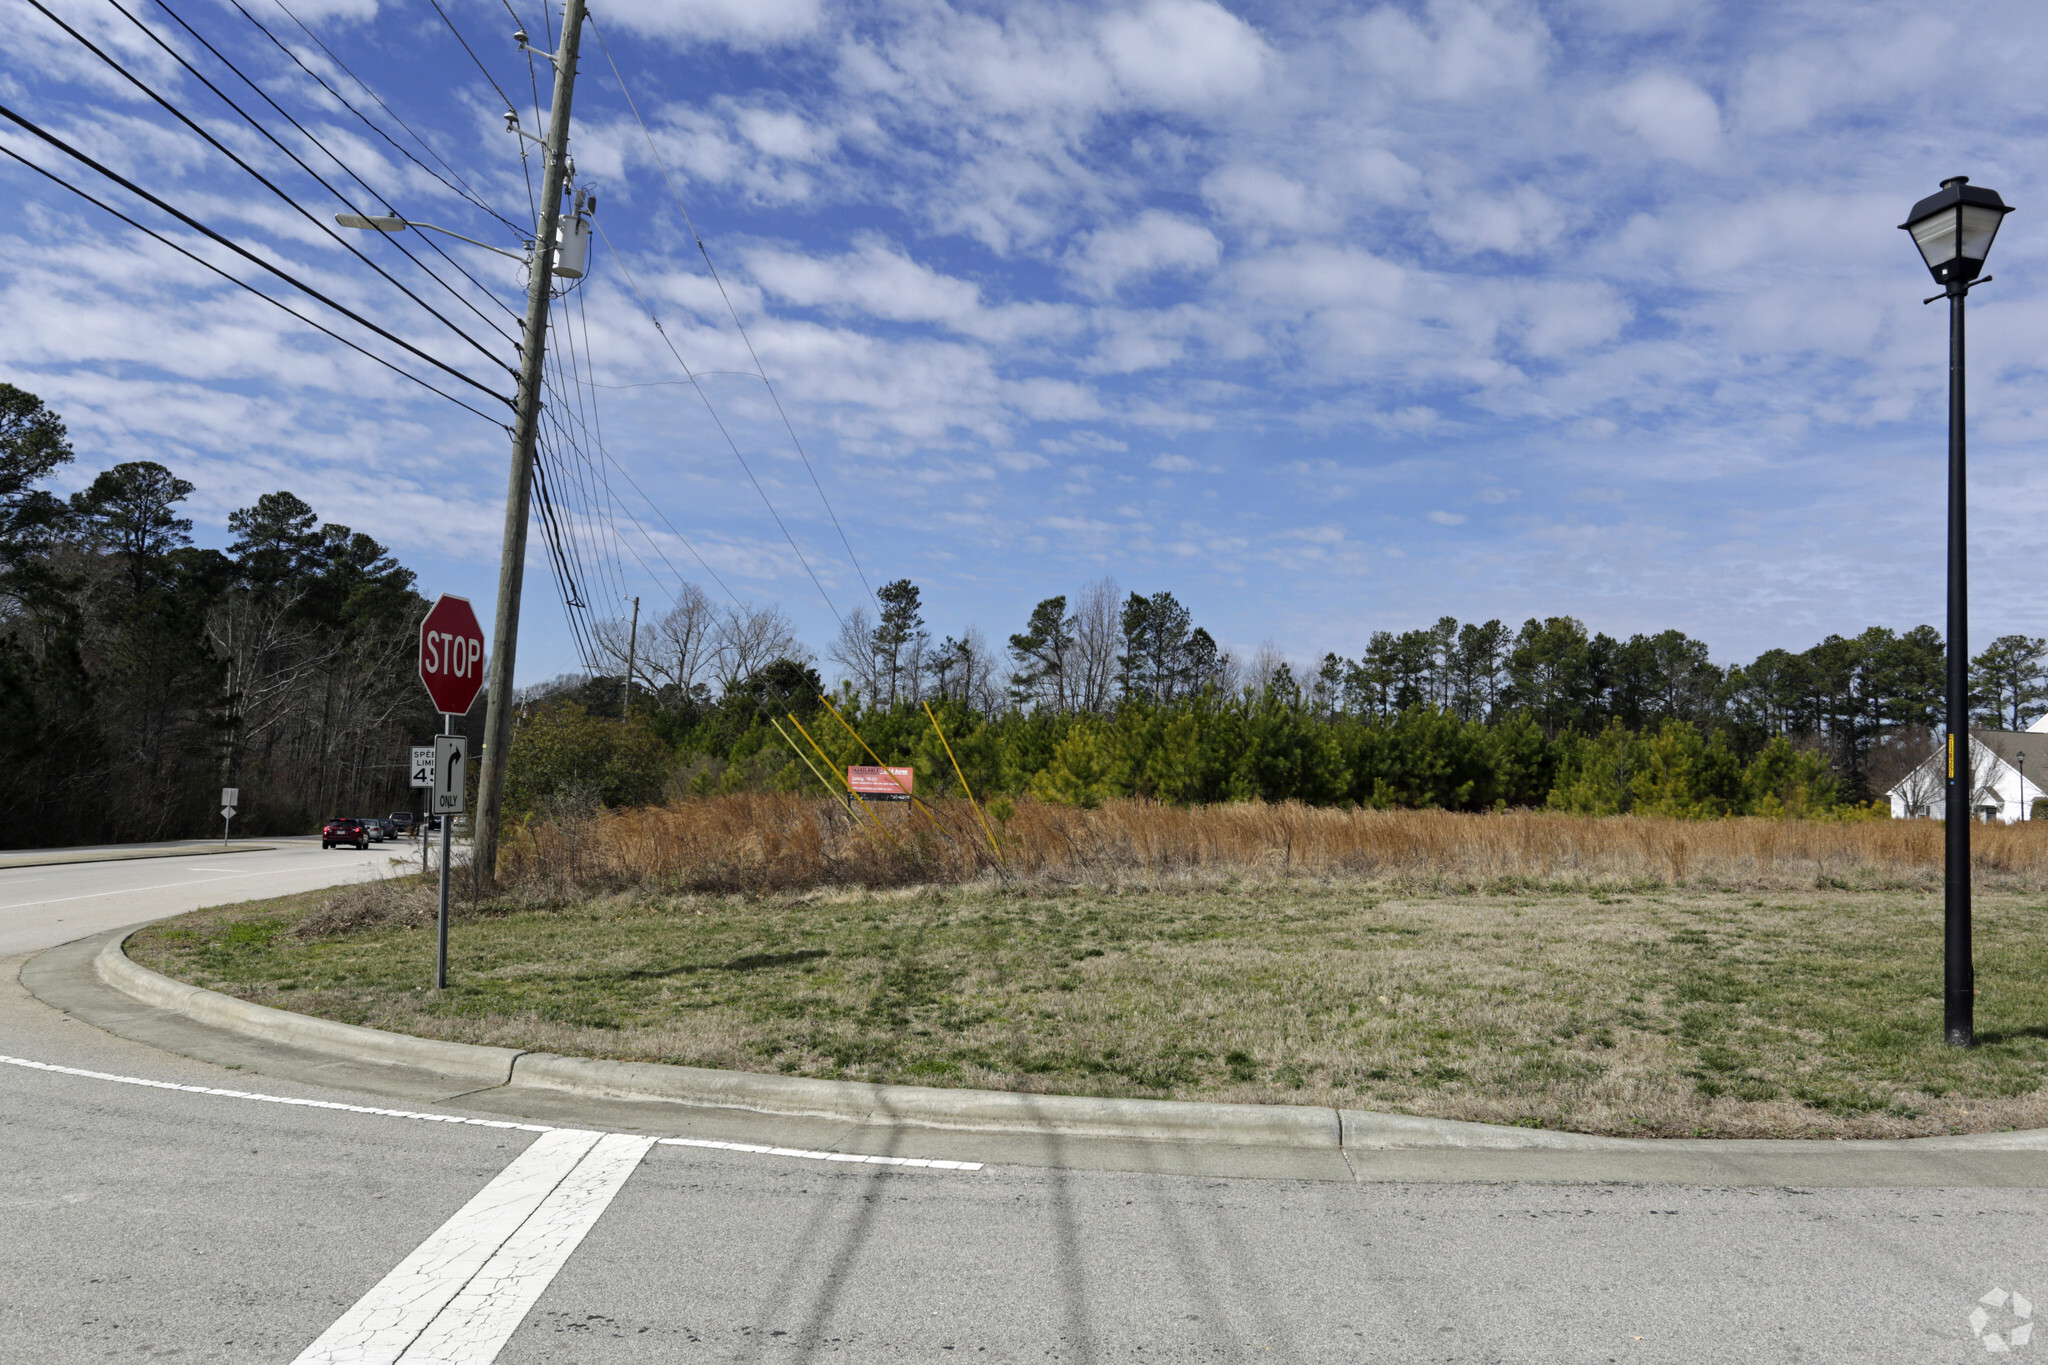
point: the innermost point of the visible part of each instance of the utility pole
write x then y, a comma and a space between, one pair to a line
632, 657
519, 493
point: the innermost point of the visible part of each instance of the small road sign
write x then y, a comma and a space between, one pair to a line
452, 655
231, 796
881, 784
451, 766
423, 766
227, 812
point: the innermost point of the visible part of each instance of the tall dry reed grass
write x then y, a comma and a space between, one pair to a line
756, 842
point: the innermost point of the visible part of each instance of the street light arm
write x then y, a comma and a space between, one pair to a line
396, 223
471, 240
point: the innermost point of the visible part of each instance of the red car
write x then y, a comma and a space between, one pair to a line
344, 830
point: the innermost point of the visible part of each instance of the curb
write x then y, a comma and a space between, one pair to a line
481, 1066
979, 1111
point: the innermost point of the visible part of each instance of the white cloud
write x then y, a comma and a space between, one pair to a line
1155, 241
737, 23
1183, 54
1448, 518
1458, 49
1675, 117
1520, 222
1257, 195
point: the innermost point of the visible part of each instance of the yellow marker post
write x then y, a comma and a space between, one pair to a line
965, 788
807, 761
851, 793
914, 801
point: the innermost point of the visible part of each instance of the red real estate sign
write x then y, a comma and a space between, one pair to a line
881, 784
452, 655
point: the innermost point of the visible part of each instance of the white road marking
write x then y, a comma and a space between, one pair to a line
805, 1154
475, 1326
386, 1322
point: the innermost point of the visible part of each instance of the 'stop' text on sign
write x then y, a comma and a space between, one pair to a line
452, 655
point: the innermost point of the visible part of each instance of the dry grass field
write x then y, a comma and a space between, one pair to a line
1740, 978
759, 843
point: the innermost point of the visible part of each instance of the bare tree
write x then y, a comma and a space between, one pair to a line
677, 649
1263, 667
853, 649
746, 638
962, 670
1098, 634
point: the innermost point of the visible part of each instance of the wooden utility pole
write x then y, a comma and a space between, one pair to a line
632, 657
519, 494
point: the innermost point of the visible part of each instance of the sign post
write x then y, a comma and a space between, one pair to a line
423, 780
452, 667
229, 797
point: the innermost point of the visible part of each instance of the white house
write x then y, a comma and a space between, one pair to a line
2004, 767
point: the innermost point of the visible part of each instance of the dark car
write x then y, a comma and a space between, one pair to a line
401, 823
344, 829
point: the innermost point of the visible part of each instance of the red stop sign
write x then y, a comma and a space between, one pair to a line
452, 655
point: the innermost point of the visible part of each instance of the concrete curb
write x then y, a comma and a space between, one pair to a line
61, 857
979, 1111
482, 1066
983, 1111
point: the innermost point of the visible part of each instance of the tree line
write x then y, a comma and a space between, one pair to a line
1103, 694
140, 674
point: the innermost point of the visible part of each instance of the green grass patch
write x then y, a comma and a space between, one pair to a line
1618, 1010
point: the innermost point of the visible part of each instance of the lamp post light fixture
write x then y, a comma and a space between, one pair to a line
1953, 229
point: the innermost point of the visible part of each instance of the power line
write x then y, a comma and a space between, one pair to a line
308, 135
720, 423
189, 221
760, 372
216, 143
244, 284
461, 186
473, 57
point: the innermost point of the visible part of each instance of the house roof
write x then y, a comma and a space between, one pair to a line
2007, 746
2010, 745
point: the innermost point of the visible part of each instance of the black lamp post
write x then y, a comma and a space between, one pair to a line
1953, 229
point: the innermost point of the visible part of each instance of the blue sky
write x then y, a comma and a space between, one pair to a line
1328, 319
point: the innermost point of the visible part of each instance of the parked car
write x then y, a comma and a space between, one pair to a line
380, 828
401, 823
344, 829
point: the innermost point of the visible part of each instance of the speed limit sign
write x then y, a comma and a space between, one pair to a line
423, 765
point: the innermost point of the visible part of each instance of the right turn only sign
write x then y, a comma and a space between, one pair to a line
451, 769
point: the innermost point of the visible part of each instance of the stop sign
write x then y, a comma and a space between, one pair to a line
452, 655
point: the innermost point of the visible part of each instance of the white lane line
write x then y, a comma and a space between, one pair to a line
856, 1158
478, 1322
389, 1319
801, 1153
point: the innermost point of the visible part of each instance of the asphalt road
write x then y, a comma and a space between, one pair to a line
49, 904
159, 1222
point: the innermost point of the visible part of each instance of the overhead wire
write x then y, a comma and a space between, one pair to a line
761, 372
331, 156
472, 55
593, 475
460, 186
189, 221
244, 284
731, 444
221, 147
